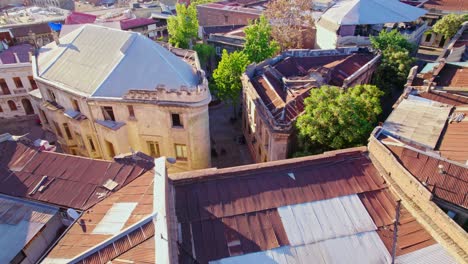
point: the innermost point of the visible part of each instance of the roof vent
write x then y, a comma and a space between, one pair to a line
110, 185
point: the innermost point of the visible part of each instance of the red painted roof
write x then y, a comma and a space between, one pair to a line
240, 204
445, 98
72, 181
136, 22
79, 18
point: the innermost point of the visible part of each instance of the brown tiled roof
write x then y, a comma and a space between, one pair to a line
447, 5
80, 236
72, 181
291, 101
452, 186
240, 204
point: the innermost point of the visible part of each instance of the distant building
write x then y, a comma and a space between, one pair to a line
230, 41
123, 93
231, 12
16, 80
63, 4
351, 22
274, 93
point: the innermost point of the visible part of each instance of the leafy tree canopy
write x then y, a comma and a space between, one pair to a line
200, 2
336, 119
387, 39
226, 77
204, 52
396, 60
258, 42
449, 25
183, 27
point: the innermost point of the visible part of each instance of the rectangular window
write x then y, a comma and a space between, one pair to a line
176, 121
32, 82
51, 95
131, 111
428, 37
181, 151
67, 131
153, 149
18, 82
91, 143
108, 113
75, 105
218, 51
57, 129
4, 87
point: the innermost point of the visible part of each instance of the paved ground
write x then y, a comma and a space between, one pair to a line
223, 139
27, 126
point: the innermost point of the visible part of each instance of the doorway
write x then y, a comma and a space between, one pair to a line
27, 106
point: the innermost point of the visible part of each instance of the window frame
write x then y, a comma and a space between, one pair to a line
18, 83
184, 152
179, 118
108, 116
157, 149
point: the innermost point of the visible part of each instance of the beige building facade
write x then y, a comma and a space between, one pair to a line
274, 93
149, 99
16, 80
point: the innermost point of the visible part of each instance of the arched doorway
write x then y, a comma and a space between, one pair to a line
12, 105
27, 106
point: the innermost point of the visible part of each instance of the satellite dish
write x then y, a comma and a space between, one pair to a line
72, 214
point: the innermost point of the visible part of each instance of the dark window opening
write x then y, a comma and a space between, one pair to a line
12, 105
131, 111
76, 106
18, 82
91, 144
57, 128
176, 121
108, 113
32, 82
4, 87
67, 131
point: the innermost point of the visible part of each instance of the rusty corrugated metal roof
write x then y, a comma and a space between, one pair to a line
451, 186
71, 181
81, 238
233, 211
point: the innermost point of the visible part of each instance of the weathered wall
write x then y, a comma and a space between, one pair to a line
8, 72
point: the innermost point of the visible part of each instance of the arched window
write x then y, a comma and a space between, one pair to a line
12, 105
1, 109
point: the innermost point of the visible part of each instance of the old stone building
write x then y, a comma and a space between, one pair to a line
16, 80
105, 91
274, 92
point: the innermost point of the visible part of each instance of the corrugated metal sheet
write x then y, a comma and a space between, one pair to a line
445, 98
434, 254
321, 220
417, 121
72, 181
261, 189
81, 237
115, 219
20, 221
361, 248
105, 62
451, 186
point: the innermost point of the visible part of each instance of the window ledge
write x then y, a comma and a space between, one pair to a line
113, 125
132, 118
178, 127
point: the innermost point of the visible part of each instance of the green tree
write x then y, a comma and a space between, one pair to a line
449, 25
258, 42
183, 27
204, 52
226, 77
335, 118
200, 2
396, 60
393, 38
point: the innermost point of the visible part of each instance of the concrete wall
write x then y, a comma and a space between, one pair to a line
64, 4
325, 39
417, 199
8, 72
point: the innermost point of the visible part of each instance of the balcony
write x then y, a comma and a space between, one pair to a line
20, 91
